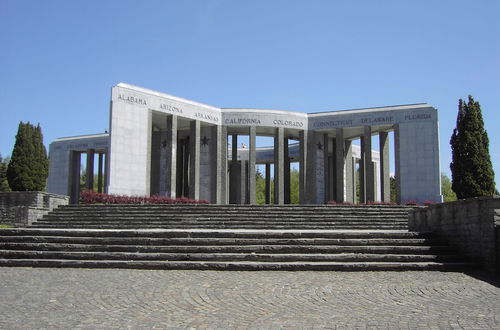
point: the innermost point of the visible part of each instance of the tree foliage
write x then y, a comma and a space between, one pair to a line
448, 193
472, 172
29, 166
4, 184
260, 187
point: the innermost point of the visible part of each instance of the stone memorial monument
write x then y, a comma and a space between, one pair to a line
166, 145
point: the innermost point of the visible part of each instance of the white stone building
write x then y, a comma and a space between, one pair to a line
162, 144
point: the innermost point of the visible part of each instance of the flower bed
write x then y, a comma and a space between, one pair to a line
92, 197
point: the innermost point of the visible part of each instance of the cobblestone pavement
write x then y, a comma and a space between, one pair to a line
82, 298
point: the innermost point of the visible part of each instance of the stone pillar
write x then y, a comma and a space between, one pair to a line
339, 165
331, 173
397, 162
155, 168
99, 173
90, 169
326, 147
221, 166
362, 186
302, 166
106, 170
350, 172
279, 163
243, 182
74, 180
171, 157
385, 180
311, 175
268, 183
181, 167
194, 160
251, 167
369, 174
235, 178
286, 172
187, 162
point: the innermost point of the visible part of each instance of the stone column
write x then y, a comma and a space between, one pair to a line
180, 167
326, 147
279, 163
375, 181
187, 162
243, 182
339, 164
251, 166
90, 169
157, 184
350, 182
302, 166
99, 173
221, 166
362, 186
397, 161
286, 172
171, 157
194, 162
385, 180
268, 183
311, 175
106, 170
369, 174
235, 175
74, 180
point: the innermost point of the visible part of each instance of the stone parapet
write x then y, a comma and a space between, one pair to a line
471, 225
22, 208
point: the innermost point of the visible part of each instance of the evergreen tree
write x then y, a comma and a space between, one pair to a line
41, 161
28, 168
4, 184
472, 172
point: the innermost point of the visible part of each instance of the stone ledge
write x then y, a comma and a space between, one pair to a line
471, 225
22, 208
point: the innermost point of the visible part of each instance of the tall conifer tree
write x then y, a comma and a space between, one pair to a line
4, 184
471, 168
28, 167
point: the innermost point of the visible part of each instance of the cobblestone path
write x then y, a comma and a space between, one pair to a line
80, 298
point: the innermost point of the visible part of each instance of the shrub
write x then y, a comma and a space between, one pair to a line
92, 197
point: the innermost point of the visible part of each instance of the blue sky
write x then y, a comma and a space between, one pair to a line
59, 59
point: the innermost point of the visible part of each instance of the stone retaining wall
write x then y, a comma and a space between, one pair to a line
22, 208
472, 225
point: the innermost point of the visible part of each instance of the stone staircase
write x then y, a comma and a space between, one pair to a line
231, 237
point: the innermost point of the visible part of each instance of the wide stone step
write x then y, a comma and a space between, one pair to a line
217, 241
332, 249
290, 257
221, 222
257, 209
238, 207
211, 233
242, 265
224, 216
284, 227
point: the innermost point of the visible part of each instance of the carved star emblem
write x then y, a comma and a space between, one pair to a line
204, 141
320, 146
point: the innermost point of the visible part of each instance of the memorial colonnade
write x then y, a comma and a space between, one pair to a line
327, 167
159, 144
